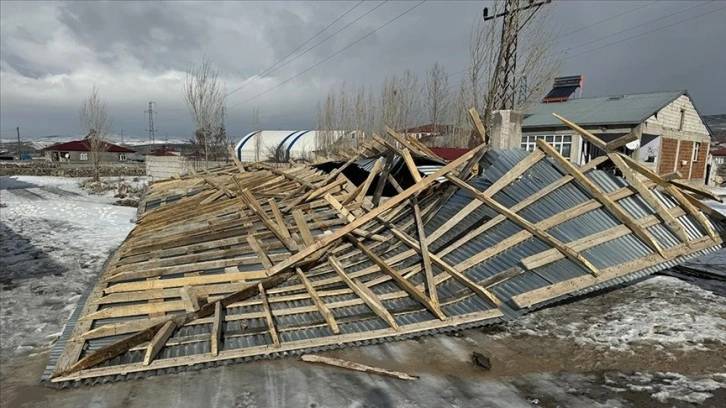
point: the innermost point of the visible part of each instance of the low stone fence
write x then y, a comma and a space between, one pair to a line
38, 168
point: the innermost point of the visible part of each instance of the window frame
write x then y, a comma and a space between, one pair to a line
561, 142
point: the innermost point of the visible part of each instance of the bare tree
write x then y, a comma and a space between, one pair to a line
437, 94
535, 62
96, 123
205, 99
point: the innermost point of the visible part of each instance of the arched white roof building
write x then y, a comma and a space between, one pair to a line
294, 144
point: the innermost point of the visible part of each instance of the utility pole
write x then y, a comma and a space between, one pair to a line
151, 113
17, 129
504, 90
122, 136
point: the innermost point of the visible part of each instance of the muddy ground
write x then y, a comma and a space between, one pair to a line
660, 342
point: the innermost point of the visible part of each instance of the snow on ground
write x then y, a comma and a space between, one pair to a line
668, 387
55, 239
662, 311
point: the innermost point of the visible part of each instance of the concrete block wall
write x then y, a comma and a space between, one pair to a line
164, 167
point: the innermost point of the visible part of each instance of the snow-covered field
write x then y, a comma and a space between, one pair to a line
55, 238
658, 342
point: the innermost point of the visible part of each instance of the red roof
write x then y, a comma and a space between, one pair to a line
719, 152
449, 153
83, 146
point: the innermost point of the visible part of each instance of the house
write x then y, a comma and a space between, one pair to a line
717, 168
672, 135
79, 151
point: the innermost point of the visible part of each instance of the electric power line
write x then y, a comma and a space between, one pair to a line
607, 19
637, 26
268, 69
330, 56
647, 32
309, 49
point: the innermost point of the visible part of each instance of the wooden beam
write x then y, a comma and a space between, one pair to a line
648, 196
378, 192
229, 193
216, 329
158, 342
528, 226
621, 141
378, 211
237, 163
476, 120
377, 167
190, 298
254, 205
405, 143
261, 255
411, 165
279, 219
400, 280
364, 293
450, 270
322, 308
356, 366
302, 226
268, 316
599, 195
425, 256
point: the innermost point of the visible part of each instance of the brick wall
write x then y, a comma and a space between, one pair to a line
699, 167
685, 153
668, 148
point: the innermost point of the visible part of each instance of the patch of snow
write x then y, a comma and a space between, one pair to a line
55, 239
660, 311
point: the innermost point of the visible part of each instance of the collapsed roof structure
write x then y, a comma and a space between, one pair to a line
254, 261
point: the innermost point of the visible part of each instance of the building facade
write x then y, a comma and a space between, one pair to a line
672, 135
79, 151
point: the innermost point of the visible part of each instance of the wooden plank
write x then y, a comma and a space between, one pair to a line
599, 195
450, 270
422, 147
621, 141
356, 366
302, 226
254, 205
158, 341
378, 192
531, 228
268, 316
216, 333
478, 125
261, 255
648, 196
229, 193
425, 256
279, 219
189, 298
237, 163
411, 165
363, 292
322, 308
378, 211
404, 142
400, 280
377, 167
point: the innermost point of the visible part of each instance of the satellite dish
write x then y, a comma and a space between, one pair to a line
633, 145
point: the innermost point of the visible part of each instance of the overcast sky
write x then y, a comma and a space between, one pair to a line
53, 52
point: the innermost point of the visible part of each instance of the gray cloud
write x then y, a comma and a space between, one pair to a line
52, 53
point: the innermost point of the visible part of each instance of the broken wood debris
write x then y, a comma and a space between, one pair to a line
257, 260
336, 362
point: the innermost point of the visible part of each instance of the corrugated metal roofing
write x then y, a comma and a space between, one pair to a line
605, 110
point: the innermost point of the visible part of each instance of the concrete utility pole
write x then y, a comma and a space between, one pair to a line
122, 136
151, 113
505, 71
17, 129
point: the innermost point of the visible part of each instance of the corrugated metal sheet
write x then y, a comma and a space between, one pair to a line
455, 299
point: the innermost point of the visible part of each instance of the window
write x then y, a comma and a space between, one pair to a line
561, 143
696, 150
683, 118
122, 157
84, 156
